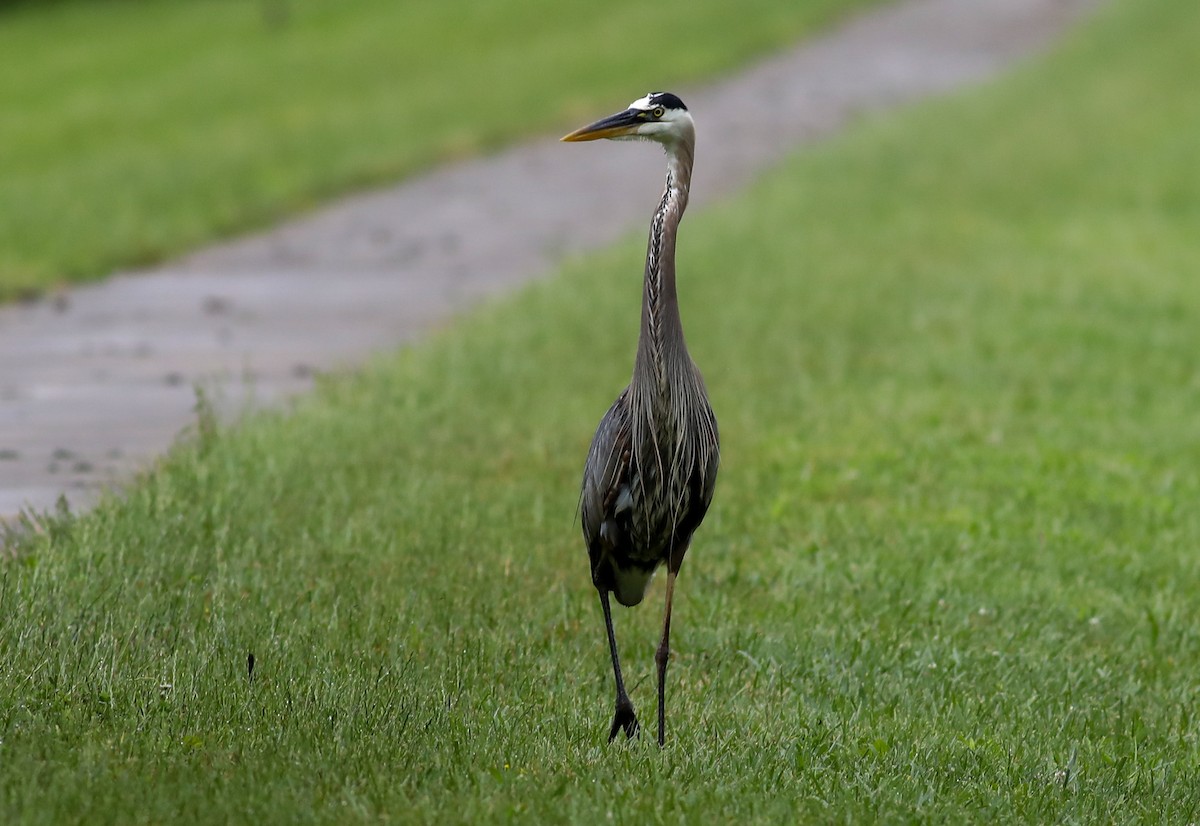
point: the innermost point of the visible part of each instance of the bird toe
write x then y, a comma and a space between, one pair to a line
624, 719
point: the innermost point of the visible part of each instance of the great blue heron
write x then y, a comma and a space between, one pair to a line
653, 462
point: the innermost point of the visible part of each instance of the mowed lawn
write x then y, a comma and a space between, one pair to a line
950, 573
134, 129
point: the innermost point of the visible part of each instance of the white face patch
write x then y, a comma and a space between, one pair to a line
643, 103
654, 100
661, 129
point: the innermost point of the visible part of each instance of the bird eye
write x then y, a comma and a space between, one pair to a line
659, 111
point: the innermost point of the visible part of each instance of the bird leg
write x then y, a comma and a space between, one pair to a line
661, 656
624, 718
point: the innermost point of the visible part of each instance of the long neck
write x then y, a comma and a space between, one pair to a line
661, 352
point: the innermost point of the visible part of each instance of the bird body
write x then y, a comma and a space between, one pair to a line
652, 466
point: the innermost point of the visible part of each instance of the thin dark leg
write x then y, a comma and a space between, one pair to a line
624, 718
661, 656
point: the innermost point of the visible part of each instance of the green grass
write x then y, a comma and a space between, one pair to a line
133, 129
949, 575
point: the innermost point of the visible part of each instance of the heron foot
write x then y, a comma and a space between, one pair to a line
624, 718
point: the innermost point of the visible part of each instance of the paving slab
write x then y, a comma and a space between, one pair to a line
96, 382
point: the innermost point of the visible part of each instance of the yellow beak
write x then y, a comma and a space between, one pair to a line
613, 126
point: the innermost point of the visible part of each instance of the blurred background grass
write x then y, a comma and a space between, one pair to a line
134, 129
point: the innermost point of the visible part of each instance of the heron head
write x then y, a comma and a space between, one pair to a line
659, 116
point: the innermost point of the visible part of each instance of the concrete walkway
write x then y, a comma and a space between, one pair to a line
96, 383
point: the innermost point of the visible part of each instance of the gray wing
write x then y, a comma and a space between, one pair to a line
704, 480
709, 480
604, 476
